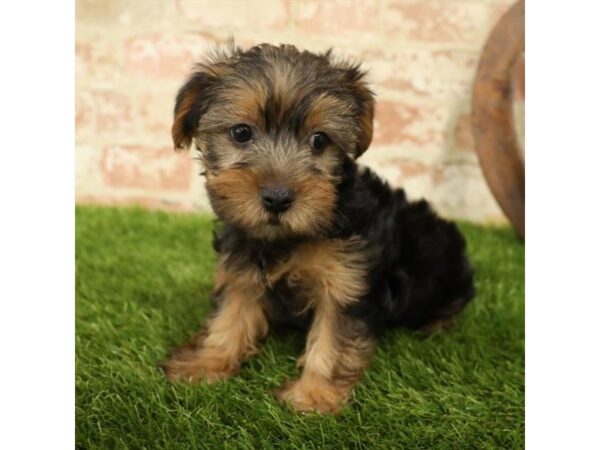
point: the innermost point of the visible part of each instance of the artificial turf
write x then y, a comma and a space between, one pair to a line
142, 286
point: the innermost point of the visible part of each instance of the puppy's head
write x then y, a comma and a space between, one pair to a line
273, 126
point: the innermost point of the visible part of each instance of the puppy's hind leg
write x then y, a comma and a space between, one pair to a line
434, 259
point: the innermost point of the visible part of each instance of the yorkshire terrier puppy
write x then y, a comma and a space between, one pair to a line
305, 237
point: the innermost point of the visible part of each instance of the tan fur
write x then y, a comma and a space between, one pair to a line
335, 270
313, 392
313, 209
239, 104
332, 363
235, 195
286, 91
334, 274
366, 119
229, 337
324, 115
366, 122
180, 140
355, 353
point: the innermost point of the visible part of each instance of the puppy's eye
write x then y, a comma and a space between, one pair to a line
318, 142
241, 133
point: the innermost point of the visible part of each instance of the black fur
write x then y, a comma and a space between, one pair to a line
420, 273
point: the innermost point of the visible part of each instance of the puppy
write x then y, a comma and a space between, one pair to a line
306, 238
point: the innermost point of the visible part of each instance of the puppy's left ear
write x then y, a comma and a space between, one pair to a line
365, 101
365, 104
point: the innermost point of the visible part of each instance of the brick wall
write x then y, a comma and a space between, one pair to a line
131, 56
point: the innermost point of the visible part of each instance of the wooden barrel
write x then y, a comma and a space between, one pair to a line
498, 95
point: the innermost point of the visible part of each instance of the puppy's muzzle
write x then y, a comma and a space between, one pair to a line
277, 199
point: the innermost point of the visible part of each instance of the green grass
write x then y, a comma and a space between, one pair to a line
142, 286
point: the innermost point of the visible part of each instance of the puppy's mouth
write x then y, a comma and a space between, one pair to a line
274, 219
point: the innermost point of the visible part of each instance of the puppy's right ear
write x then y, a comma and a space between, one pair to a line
191, 103
195, 96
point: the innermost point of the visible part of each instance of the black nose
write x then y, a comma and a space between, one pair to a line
277, 199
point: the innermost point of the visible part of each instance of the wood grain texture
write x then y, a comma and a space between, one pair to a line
496, 141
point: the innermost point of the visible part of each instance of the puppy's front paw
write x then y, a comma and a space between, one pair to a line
313, 394
193, 366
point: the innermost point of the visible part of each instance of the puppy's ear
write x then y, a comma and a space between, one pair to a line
194, 96
365, 103
366, 110
191, 103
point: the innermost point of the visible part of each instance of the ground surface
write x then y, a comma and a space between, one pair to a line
143, 281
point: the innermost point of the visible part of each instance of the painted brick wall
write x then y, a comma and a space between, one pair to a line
131, 56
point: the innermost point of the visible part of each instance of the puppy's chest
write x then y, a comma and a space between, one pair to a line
289, 290
330, 272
